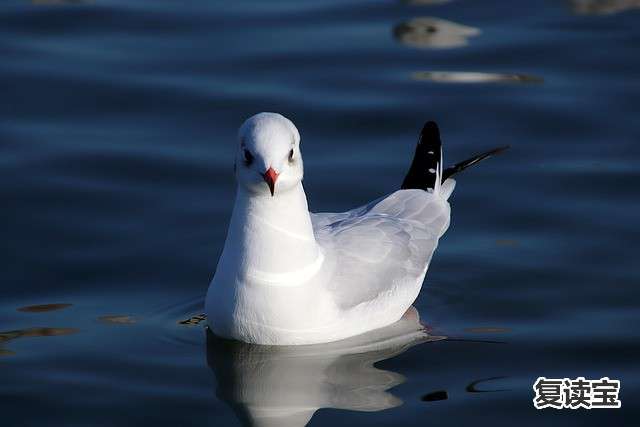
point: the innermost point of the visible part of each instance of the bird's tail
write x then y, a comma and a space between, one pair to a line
426, 170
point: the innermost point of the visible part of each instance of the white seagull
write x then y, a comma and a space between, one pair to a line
287, 276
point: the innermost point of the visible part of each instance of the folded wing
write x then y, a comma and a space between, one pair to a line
384, 247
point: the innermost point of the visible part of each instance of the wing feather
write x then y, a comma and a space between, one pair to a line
382, 246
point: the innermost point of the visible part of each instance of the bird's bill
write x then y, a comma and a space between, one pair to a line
270, 177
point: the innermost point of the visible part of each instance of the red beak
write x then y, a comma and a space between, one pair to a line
270, 177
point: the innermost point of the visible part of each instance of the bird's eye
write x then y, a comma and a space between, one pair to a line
248, 157
291, 155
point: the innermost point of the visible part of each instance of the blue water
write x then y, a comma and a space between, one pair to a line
117, 132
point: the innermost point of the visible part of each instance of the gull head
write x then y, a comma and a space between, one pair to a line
268, 160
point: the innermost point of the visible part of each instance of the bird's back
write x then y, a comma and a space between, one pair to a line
381, 252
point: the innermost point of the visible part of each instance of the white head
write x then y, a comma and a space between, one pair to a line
268, 159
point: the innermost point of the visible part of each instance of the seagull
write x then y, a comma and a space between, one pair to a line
287, 276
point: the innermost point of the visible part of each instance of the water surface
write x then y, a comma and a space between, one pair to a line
117, 132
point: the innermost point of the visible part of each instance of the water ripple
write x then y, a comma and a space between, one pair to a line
433, 33
473, 77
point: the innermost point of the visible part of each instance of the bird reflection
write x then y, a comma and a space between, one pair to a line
433, 33
603, 7
285, 385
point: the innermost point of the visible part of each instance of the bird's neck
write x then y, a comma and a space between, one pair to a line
274, 235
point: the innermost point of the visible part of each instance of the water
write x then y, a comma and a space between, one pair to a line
117, 128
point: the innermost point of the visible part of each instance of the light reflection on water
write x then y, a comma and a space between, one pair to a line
118, 319
434, 33
603, 7
43, 308
7, 336
473, 77
58, 2
425, 2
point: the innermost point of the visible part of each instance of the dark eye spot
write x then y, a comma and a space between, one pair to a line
248, 157
291, 155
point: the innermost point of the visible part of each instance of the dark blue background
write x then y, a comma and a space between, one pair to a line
117, 132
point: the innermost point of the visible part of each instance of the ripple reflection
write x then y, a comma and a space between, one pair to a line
57, 2
425, 2
117, 319
31, 332
41, 308
487, 330
473, 77
603, 7
433, 33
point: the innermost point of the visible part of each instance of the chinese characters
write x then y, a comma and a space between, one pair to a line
576, 394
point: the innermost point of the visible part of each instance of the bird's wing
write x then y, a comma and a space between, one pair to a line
382, 246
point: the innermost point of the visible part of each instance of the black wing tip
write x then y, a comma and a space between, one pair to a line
459, 167
426, 160
499, 150
430, 130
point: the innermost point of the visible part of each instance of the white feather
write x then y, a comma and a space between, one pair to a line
287, 276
